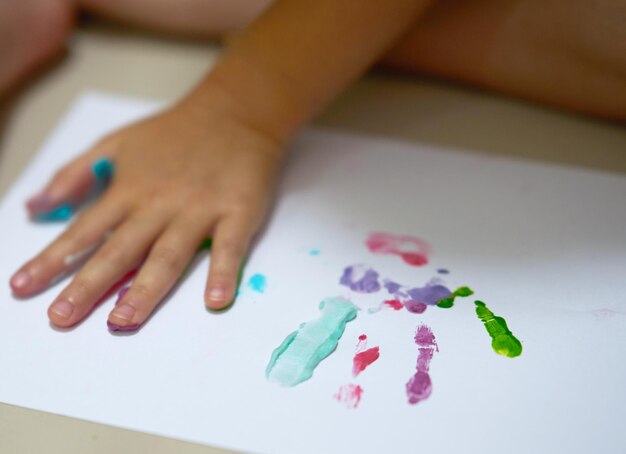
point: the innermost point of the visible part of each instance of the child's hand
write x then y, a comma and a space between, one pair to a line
181, 176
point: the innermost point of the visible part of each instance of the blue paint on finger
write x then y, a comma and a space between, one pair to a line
61, 213
103, 169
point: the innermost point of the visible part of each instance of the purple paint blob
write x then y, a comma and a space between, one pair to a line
391, 286
417, 307
424, 358
429, 294
419, 387
360, 278
443, 271
424, 337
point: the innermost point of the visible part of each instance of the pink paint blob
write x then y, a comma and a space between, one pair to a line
362, 344
350, 395
363, 359
396, 305
412, 250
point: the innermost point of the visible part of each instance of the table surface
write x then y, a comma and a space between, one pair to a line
410, 109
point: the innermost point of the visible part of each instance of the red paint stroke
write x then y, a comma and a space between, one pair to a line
412, 250
362, 337
396, 305
350, 395
363, 359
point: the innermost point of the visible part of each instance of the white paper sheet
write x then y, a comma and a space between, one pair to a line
543, 246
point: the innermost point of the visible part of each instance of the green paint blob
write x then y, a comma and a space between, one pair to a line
462, 292
503, 341
299, 354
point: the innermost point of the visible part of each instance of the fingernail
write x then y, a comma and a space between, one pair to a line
62, 309
20, 280
40, 202
124, 312
114, 327
217, 294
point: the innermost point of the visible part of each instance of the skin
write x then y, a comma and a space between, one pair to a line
206, 166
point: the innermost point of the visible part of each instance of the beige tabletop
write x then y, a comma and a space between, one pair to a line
417, 110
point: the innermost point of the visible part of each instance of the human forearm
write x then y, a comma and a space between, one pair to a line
290, 63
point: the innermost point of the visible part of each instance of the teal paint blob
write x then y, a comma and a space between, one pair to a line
258, 283
314, 252
61, 213
299, 354
103, 169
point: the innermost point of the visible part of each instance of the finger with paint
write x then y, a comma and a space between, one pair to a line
170, 192
72, 185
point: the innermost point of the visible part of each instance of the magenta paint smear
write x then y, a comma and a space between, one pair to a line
419, 387
424, 337
417, 307
412, 250
360, 278
350, 395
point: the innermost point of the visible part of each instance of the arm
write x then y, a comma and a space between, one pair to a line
206, 165
293, 61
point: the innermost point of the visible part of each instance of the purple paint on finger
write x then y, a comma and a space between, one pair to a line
119, 328
123, 291
429, 294
360, 278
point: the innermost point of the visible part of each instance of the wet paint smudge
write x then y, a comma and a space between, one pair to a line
314, 252
299, 354
412, 250
364, 359
394, 304
503, 341
360, 278
429, 294
350, 395
419, 387
258, 283
443, 271
424, 337
364, 356
448, 302
417, 307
